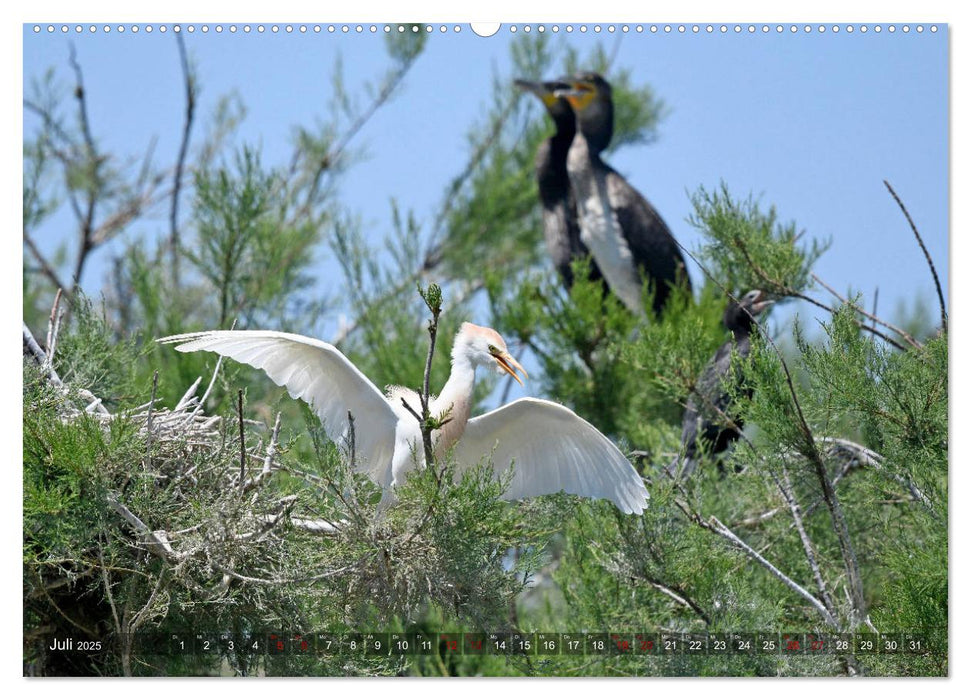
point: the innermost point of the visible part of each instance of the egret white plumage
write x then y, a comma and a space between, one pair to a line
551, 447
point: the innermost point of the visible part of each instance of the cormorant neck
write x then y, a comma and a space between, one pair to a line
740, 332
738, 322
597, 125
551, 171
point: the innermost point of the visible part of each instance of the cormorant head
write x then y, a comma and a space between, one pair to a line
590, 97
557, 107
739, 317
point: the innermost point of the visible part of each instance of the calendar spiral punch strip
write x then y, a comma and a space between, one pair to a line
611, 198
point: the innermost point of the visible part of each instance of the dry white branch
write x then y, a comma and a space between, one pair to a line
716, 526
156, 540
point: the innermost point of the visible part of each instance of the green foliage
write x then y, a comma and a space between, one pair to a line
244, 250
748, 248
88, 355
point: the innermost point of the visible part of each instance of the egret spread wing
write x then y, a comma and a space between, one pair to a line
553, 450
318, 373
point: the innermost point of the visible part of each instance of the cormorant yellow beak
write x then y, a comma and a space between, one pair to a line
546, 91
507, 363
579, 94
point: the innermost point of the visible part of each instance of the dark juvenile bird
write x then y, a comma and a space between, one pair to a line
704, 427
627, 238
560, 227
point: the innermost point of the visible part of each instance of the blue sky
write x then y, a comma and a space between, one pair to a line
811, 123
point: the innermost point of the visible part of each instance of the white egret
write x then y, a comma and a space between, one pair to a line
552, 448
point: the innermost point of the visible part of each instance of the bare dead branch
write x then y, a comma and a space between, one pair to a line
107, 584
410, 409
271, 448
205, 396
785, 486
87, 219
190, 107
352, 439
188, 396
141, 615
242, 442
53, 327
716, 526
157, 541
151, 403
913, 342
868, 458
45, 266
927, 255
676, 594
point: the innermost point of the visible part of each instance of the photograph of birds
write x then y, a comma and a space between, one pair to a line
551, 448
704, 426
627, 238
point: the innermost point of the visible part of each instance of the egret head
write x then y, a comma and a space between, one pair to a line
483, 346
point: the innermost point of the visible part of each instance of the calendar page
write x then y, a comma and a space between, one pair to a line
537, 349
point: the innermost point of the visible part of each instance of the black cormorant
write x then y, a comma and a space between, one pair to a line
625, 235
708, 405
560, 227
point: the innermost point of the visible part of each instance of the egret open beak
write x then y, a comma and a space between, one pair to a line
507, 363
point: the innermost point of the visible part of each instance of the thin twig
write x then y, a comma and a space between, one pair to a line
190, 107
868, 458
188, 396
157, 542
785, 486
930, 263
212, 382
876, 298
284, 580
151, 403
242, 442
53, 326
410, 410
271, 448
91, 633
351, 436
140, 615
911, 340
716, 526
677, 595
44, 265
107, 585
40, 357
148, 422
87, 220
